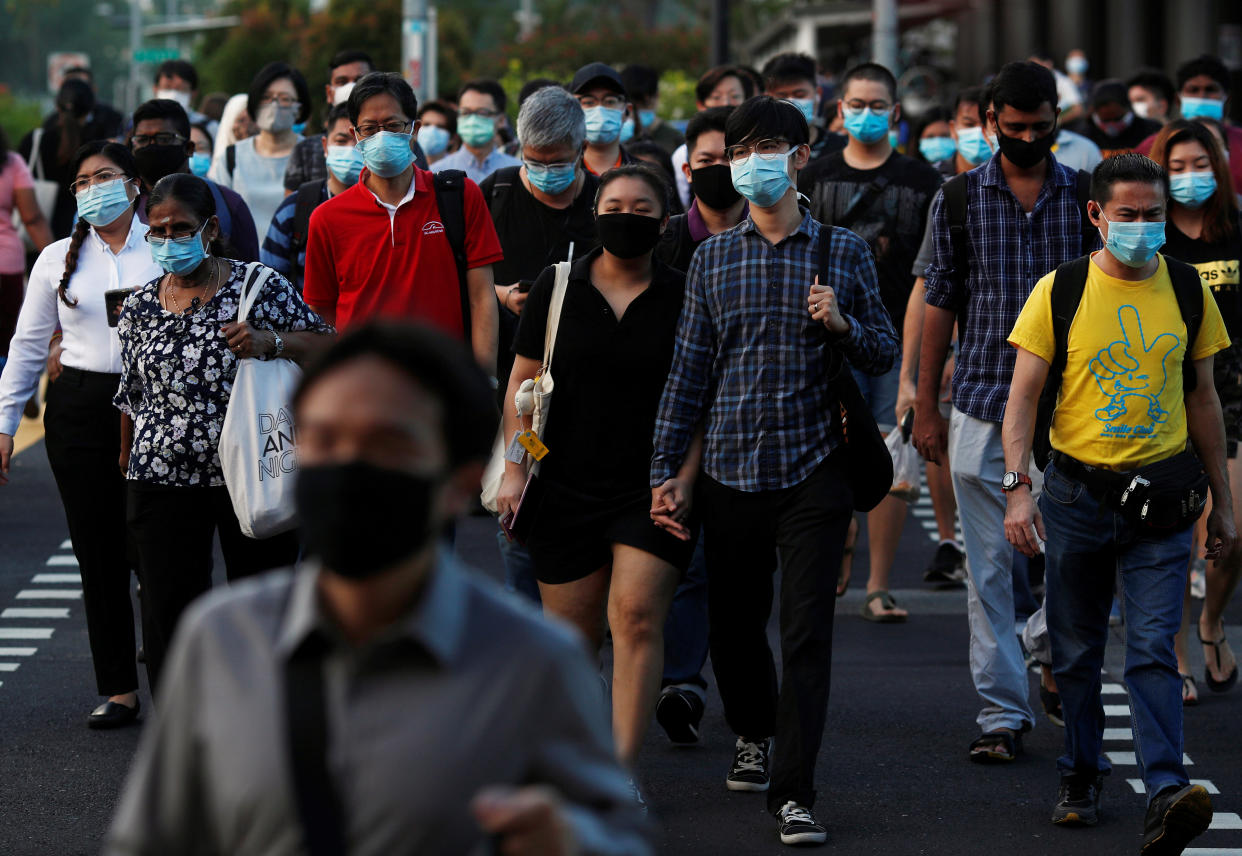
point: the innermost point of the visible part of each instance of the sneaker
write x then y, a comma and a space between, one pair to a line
679, 711
798, 825
947, 566
1078, 801
1176, 817
750, 766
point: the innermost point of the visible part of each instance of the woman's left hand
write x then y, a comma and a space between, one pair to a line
670, 507
246, 341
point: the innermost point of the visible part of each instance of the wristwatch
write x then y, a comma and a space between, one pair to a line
1012, 479
280, 344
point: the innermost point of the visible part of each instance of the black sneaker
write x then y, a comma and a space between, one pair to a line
750, 766
679, 712
1176, 817
1078, 801
798, 825
947, 566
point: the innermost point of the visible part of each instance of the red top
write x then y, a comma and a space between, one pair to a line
367, 263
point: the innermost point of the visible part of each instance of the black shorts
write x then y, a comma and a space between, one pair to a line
1227, 373
572, 534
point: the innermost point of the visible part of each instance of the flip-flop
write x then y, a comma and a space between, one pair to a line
887, 602
980, 755
1213, 684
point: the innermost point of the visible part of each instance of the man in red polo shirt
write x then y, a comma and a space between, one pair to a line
380, 249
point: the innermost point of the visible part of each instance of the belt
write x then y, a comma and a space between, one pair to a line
1102, 483
80, 377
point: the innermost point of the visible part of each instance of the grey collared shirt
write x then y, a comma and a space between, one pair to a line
470, 689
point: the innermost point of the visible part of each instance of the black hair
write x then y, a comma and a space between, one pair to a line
764, 117
194, 193
336, 114
445, 109
1111, 91
787, 67
202, 126
382, 83
346, 57
1153, 80
530, 87
1203, 64
929, 118
651, 153
1130, 166
124, 159
1024, 86
872, 71
710, 80
267, 75
161, 109
977, 95
641, 81
643, 172
79, 69
487, 87
711, 119
74, 101
441, 365
177, 68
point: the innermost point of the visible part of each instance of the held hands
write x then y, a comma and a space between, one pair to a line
822, 304
1221, 538
246, 341
1023, 522
670, 507
527, 821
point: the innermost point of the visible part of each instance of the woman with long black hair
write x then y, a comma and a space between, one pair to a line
67, 293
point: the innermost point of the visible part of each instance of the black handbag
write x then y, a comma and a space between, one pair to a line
1167, 495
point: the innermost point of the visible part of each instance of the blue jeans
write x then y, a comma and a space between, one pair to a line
1088, 545
519, 568
880, 393
685, 630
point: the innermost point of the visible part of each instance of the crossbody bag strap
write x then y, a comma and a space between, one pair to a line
36, 152
560, 286
306, 726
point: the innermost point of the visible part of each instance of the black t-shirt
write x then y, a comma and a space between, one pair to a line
1127, 141
892, 223
1218, 265
676, 247
609, 377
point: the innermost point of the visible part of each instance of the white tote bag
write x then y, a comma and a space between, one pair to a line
45, 191
257, 440
534, 398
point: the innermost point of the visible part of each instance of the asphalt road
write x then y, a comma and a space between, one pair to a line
893, 775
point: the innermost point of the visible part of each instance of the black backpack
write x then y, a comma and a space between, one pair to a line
1067, 286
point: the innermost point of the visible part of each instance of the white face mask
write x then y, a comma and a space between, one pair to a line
182, 98
341, 94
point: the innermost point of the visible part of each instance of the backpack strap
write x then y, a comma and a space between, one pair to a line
502, 185
315, 795
451, 200
1068, 283
954, 191
223, 214
1188, 288
1089, 233
310, 194
230, 160
863, 201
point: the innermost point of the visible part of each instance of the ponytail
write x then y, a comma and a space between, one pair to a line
71, 262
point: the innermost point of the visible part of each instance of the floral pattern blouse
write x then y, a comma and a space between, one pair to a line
177, 372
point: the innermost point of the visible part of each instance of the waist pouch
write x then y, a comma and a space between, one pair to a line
1168, 495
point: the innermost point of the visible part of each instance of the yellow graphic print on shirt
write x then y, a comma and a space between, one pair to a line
1219, 272
1121, 404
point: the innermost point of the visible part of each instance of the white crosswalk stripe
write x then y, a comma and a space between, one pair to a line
1139, 788
25, 633
46, 579
62, 561
47, 612
1127, 759
9, 667
49, 594
17, 652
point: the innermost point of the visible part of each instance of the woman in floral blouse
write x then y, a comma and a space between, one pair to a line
180, 346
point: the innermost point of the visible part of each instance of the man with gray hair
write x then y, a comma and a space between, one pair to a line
543, 215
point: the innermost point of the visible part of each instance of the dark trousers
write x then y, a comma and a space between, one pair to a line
172, 528
12, 289
804, 526
83, 439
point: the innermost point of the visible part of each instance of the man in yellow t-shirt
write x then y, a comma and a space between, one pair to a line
1121, 406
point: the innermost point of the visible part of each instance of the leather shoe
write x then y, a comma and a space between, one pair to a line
113, 714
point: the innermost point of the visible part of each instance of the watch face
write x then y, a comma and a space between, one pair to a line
1010, 481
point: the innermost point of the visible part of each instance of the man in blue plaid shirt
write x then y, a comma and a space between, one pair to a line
750, 371
1023, 219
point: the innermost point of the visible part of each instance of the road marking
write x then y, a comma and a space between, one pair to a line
1220, 820
25, 633
1117, 710
62, 561
1127, 759
48, 612
67, 544
49, 594
920, 511
1140, 788
12, 667
17, 652
1118, 734
56, 578
1212, 851
1112, 689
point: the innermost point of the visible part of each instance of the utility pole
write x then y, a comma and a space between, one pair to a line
884, 33
720, 32
135, 45
433, 54
414, 46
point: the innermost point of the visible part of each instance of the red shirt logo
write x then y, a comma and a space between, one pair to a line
433, 227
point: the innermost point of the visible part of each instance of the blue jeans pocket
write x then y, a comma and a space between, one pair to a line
1060, 488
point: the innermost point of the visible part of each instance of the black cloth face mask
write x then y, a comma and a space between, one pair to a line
1023, 154
155, 162
713, 186
360, 519
628, 236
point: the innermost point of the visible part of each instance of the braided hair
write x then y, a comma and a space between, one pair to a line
123, 159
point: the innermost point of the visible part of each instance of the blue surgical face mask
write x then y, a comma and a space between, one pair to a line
299, 128
1133, 244
178, 258
1077, 65
936, 149
433, 139
101, 204
387, 154
973, 145
1194, 108
627, 130
345, 163
762, 179
200, 164
865, 125
807, 106
475, 130
603, 125
551, 180
1192, 189
647, 117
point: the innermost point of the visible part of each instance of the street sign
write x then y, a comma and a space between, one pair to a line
58, 62
154, 55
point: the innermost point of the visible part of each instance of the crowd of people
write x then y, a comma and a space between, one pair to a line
1045, 272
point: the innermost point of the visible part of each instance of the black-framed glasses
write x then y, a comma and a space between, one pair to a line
370, 129
101, 177
159, 240
857, 105
611, 102
764, 148
163, 138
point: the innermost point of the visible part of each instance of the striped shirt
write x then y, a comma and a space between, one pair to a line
277, 249
1008, 251
752, 365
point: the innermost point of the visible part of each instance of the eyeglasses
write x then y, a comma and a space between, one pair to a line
857, 104
483, 114
280, 100
371, 129
101, 177
611, 102
764, 148
176, 239
542, 168
139, 141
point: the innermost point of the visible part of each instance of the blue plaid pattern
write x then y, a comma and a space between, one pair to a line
751, 364
1006, 254
277, 249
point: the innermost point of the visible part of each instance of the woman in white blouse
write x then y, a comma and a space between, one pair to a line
83, 429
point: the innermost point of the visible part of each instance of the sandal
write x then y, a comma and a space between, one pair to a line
1213, 684
847, 559
1190, 692
887, 603
983, 749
